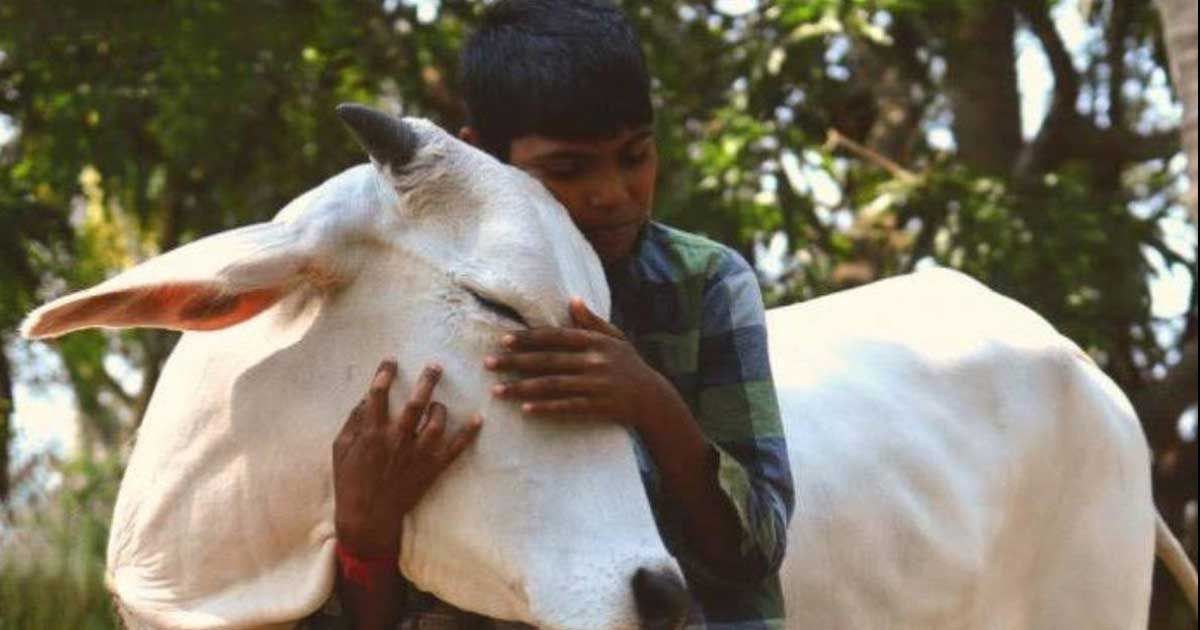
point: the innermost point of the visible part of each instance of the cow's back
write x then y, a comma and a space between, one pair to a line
958, 464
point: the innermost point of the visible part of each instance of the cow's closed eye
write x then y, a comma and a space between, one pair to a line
499, 308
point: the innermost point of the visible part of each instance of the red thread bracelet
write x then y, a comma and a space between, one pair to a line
364, 572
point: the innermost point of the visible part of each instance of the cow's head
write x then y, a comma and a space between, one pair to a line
428, 254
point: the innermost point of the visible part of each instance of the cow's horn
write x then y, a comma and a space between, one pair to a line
388, 139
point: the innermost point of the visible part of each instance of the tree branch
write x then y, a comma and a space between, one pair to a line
1062, 130
901, 84
1066, 79
1161, 402
789, 200
111, 385
834, 140
1135, 147
6, 413
1118, 30
923, 243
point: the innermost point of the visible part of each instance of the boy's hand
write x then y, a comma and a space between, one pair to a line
589, 369
384, 463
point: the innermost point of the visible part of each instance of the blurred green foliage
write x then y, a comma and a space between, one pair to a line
864, 138
52, 577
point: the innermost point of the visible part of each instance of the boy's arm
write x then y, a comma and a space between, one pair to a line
592, 370
693, 472
370, 499
737, 409
722, 462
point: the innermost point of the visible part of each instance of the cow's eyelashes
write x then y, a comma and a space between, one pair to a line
498, 308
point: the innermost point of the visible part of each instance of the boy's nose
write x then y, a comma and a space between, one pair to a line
609, 192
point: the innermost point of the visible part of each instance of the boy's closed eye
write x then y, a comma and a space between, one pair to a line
563, 167
636, 156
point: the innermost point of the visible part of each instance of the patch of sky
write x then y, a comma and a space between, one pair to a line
835, 55
881, 19
1187, 425
939, 133
427, 10
771, 255
1034, 77
1035, 82
44, 410
8, 130
736, 8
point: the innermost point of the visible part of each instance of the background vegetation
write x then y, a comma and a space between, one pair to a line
832, 141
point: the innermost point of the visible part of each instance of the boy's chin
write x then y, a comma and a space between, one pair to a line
610, 254
615, 245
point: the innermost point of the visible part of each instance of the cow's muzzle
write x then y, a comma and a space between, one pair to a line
662, 599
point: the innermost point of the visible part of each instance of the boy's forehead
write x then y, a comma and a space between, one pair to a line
535, 146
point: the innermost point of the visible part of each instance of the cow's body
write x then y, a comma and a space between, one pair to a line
958, 465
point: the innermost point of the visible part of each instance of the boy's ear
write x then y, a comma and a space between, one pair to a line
469, 135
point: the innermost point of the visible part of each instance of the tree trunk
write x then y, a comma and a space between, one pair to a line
1179, 31
981, 81
6, 430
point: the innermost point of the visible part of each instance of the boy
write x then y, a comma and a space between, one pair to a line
559, 88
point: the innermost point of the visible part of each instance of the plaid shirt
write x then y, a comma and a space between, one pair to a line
693, 310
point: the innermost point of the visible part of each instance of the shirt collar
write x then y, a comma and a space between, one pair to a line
619, 273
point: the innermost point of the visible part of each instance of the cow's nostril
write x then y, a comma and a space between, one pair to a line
662, 599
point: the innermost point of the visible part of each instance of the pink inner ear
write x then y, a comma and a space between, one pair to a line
210, 309
190, 306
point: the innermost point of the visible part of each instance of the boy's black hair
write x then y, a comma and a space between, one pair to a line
560, 68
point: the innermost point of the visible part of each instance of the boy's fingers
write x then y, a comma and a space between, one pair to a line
585, 318
548, 339
538, 362
545, 387
562, 405
351, 426
430, 433
405, 425
423, 389
461, 440
376, 408
407, 422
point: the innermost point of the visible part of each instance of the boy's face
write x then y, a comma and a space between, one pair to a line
606, 184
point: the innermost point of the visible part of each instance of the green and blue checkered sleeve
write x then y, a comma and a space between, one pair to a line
738, 411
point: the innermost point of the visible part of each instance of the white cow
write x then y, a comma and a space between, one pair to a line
225, 515
959, 465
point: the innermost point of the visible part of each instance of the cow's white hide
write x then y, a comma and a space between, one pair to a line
958, 465
225, 515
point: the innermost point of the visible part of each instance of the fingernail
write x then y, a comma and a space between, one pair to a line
508, 340
527, 407
498, 390
489, 362
434, 368
477, 421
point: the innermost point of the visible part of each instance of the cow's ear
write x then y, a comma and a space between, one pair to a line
209, 284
